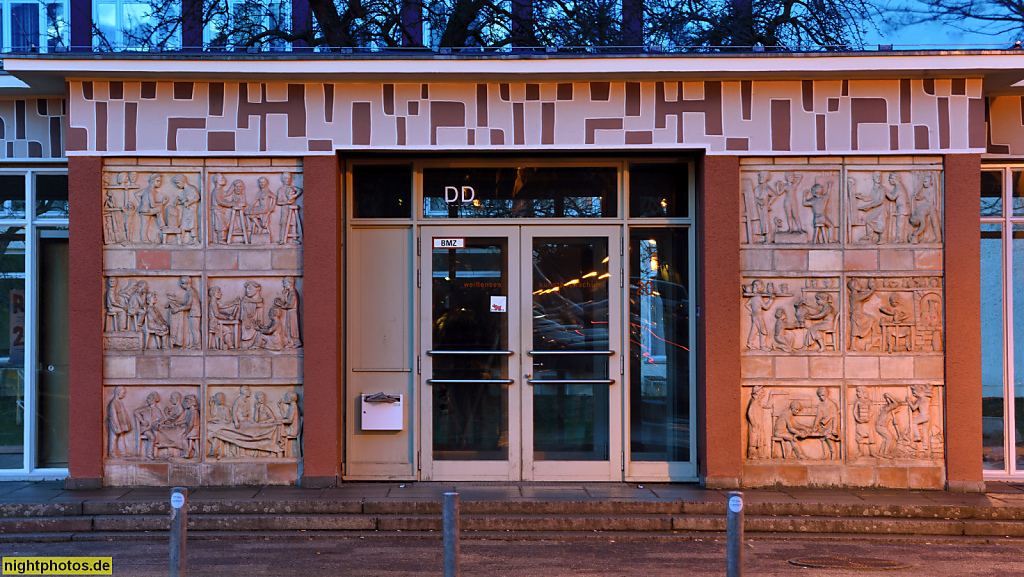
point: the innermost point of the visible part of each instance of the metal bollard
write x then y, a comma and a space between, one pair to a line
179, 520
450, 514
734, 535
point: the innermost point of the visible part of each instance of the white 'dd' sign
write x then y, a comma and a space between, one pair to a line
499, 304
449, 242
177, 500
735, 504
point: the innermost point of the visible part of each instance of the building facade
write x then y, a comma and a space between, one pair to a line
630, 268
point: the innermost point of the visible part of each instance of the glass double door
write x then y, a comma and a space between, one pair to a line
521, 353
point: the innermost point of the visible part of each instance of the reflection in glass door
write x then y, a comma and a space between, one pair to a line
572, 394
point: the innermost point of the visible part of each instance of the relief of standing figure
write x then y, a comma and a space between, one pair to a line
291, 220
787, 189
874, 205
817, 200
186, 333
900, 199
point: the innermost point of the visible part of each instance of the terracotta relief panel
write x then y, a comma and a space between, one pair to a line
895, 422
895, 207
255, 208
153, 423
790, 206
895, 315
152, 313
794, 423
152, 207
783, 315
242, 318
254, 422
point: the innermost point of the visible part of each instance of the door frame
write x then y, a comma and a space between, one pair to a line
520, 464
612, 469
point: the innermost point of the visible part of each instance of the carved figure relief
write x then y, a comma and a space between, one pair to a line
895, 207
162, 209
160, 427
135, 318
788, 207
897, 422
791, 423
246, 320
245, 208
254, 426
807, 319
895, 314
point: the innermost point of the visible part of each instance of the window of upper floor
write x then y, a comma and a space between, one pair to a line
40, 26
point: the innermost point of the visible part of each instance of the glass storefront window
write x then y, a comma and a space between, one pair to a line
51, 196
991, 193
1002, 320
992, 384
520, 192
659, 329
12, 195
12, 347
659, 190
382, 191
34, 316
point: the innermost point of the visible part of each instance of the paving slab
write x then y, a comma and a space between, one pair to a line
289, 493
221, 493
544, 493
420, 491
358, 491
687, 493
621, 492
473, 493
11, 486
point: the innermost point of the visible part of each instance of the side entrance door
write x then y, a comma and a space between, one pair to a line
521, 358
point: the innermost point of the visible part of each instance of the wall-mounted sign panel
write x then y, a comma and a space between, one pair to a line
449, 242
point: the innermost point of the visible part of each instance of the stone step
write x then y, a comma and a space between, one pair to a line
833, 525
397, 507
476, 523
10, 525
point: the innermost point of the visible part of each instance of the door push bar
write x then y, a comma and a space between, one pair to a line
571, 382
505, 353
469, 381
609, 353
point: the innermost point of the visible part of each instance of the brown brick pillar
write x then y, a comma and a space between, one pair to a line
322, 368
963, 325
85, 390
718, 396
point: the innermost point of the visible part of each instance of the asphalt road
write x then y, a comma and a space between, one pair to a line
410, 556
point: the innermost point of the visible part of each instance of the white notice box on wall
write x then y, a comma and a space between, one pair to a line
381, 416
